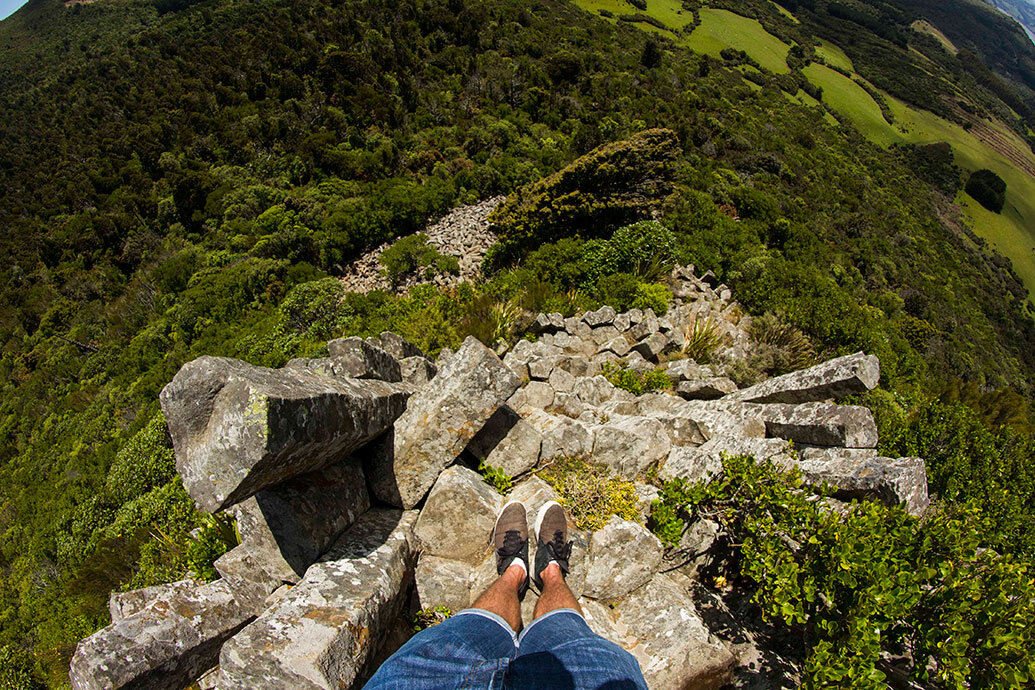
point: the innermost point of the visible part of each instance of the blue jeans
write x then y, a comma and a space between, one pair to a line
476, 649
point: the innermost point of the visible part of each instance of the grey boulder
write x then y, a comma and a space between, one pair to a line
836, 378
360, 359
417, 370
819, 424
288, 526
168, 644
623, 556
894, 481
457, 519
237, 429
709, 388
321, 633
439, 421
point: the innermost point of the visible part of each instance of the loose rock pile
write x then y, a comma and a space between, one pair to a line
463, 233
348, 475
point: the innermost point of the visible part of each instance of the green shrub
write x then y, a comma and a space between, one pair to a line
146, 462
590, 493
646, 249
216, 535
652, 296
427, 617
496, 478
17, 670
868, 584
635, 382
315, 308
612, 185
988, 189
413, 254
780, 347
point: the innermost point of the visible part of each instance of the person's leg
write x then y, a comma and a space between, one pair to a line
468, 650
472, 649
558, 650
501, 598
555, 594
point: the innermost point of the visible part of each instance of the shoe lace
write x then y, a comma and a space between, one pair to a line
512, 544
559, 549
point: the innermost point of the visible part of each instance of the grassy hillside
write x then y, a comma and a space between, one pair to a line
183, 179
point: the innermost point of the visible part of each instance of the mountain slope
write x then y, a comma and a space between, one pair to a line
188, 181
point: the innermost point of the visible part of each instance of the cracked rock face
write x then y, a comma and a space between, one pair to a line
321, 632
460, 497
439, 421
167, 644
623, 556
237, 428
287, 527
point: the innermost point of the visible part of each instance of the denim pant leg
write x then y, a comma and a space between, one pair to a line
560, 652
470, 650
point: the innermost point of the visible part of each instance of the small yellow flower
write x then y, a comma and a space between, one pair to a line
720, 582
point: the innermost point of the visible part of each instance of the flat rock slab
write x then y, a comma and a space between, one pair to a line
561, 435
443, 582
398, 346
123, 604
836, 378
238, 429
893, 481
321, 633
457, 519
623, 556
417, 370
701, 463
818, 424
287, 527
710, 388
659, 625
439, 421
168, 644
629, 445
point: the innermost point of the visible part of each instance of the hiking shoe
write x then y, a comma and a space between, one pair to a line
552, 545
510, 539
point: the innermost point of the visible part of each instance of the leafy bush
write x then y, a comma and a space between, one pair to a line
652, 296
146, 462
988, 189
16, 670
216, 535
413, 254
427, 617
646, 249
608, 187
315, 308
967, 462
780, 347
496, 478
635, 382
589, 492
870, 585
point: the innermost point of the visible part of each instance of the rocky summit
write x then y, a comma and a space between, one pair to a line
346, 476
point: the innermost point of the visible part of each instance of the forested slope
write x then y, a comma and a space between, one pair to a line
183, 180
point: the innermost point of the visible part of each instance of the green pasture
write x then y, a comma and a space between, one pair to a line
834, 56
723, 29
669, 12
1012, 233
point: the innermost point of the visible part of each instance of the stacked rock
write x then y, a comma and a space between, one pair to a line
347, 476
463, 233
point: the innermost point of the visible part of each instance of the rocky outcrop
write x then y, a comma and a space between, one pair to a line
238, 429
463, 233
439, 422
167, 644
321, 633
288, 526
835, 378
322, 580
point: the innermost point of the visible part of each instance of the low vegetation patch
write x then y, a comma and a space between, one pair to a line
590, 492
636, 382
496, 478
869, 586
430, 616
988, 189
413, 255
